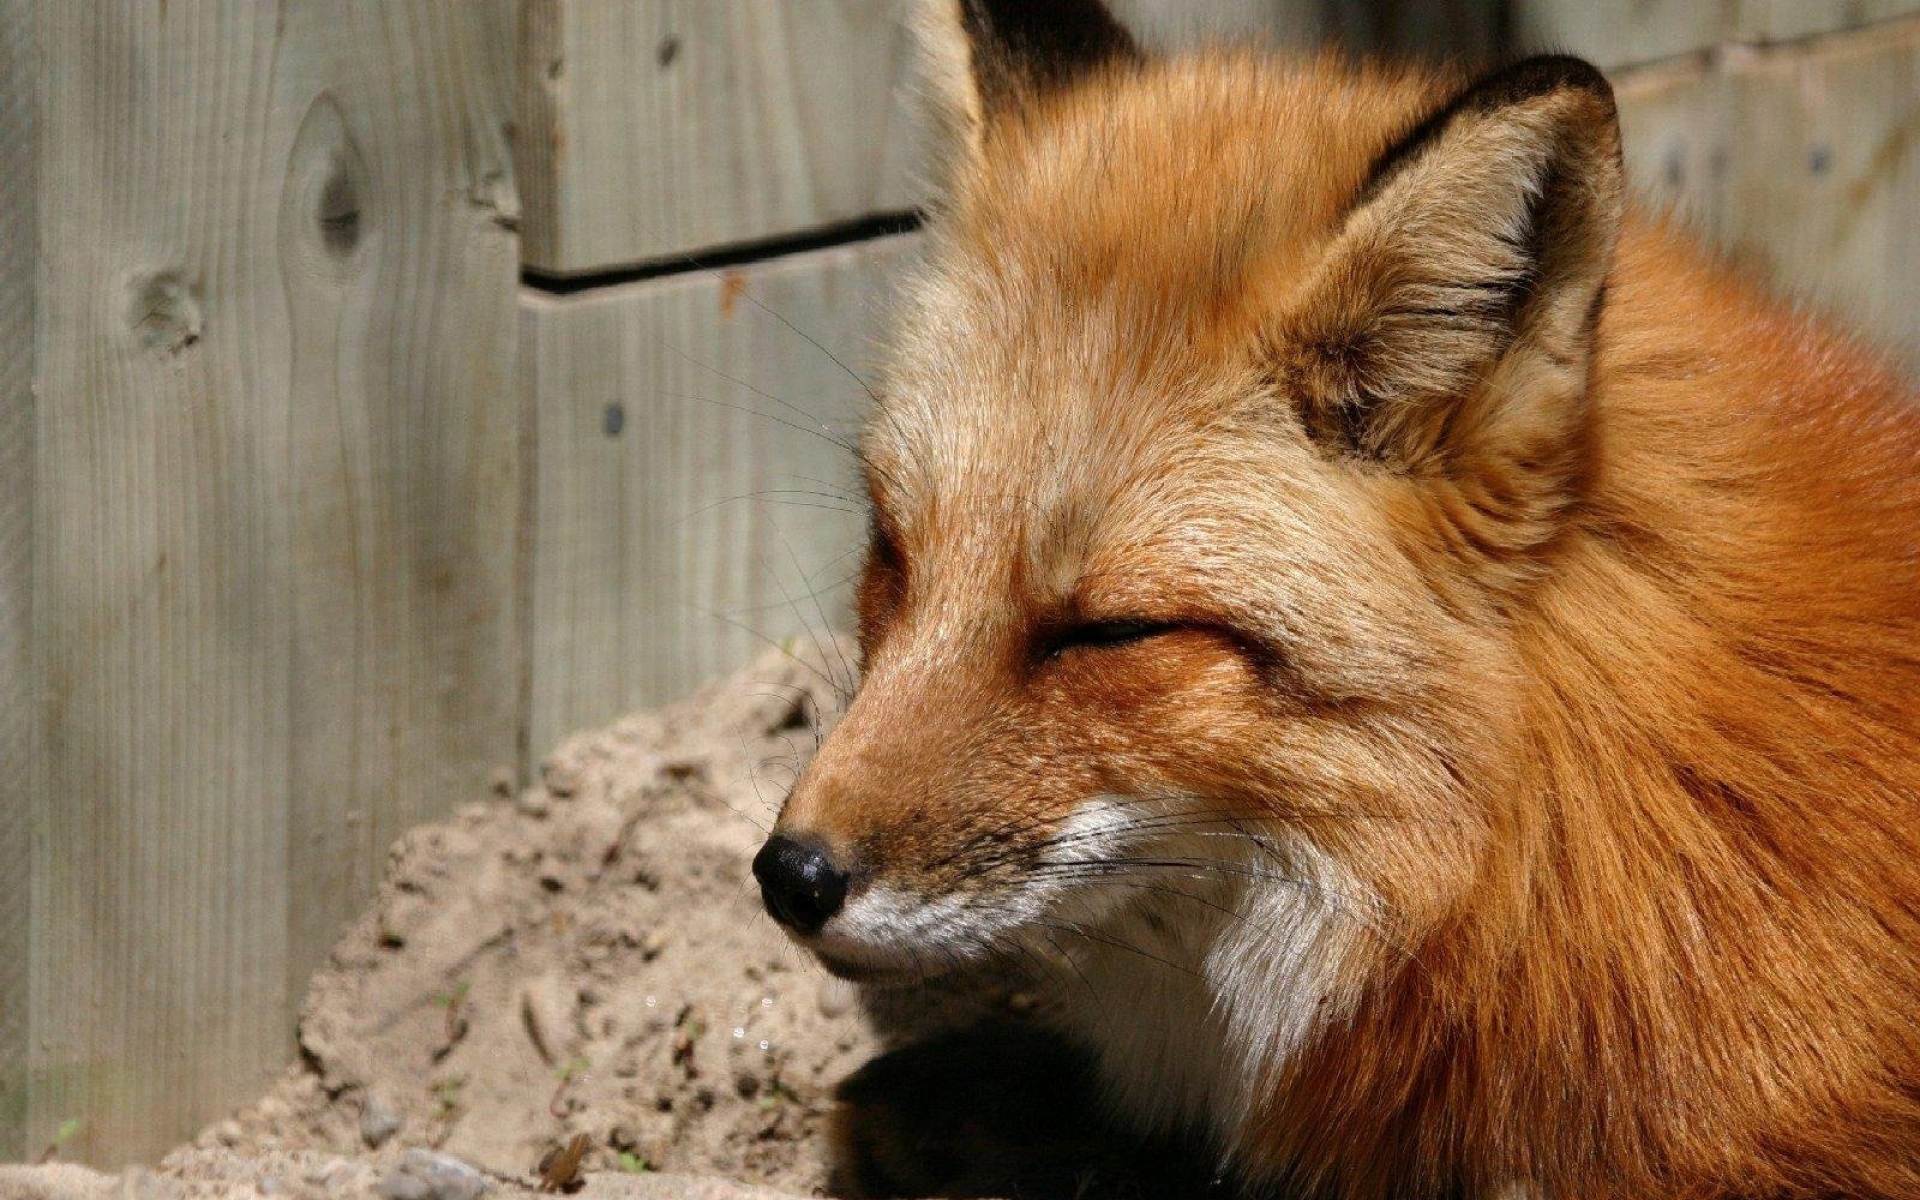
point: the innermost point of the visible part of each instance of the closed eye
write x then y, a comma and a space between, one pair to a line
1101, 634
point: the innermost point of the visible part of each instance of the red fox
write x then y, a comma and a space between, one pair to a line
1438, 652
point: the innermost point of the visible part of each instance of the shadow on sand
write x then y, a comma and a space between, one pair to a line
1001, 1110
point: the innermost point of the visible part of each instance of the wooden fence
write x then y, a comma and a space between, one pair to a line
349, 460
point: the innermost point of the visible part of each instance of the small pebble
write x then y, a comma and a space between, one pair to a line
562, 779
428, 1175
378, 1121
546, 1010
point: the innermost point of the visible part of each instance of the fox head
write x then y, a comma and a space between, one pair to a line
1233, 411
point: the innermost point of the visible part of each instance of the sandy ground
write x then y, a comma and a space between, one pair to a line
589, 957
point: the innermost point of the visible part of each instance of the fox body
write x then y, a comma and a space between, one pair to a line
1438, 654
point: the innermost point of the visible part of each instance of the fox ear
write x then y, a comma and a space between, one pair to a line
985, 59
1449, 326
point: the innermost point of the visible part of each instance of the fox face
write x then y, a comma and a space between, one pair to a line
1429, 650
1195, 396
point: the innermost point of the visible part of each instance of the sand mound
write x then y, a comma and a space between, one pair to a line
590, 957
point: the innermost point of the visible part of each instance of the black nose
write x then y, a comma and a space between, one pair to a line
801, 885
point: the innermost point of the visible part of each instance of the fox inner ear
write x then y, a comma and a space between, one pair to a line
1448, 329
985, 59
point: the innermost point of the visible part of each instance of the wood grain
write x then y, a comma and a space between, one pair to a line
19, 712
1803, 162
1616, 33
1170, 24
655, 128
1430, 28
695, 497
276, 511
658, 127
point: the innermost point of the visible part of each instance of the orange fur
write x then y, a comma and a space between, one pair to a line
1608, 716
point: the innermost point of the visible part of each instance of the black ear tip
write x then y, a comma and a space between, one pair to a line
1084, 21
1518, 83
1040, 44
1541, 75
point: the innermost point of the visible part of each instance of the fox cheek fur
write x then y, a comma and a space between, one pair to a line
1435, 651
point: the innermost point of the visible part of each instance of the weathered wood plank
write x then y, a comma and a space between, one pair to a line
1803, 162
653, 128
19, 711
1827, 194
664, 126
277, 493
1673, 127
1460, 30
694, 497
1434, 28
1615, 33
1777, 20
1174, 23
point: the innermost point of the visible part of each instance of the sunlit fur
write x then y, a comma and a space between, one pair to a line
1521, 792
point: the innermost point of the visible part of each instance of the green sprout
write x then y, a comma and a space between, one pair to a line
67, 1131
448, 1091
777, 1093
